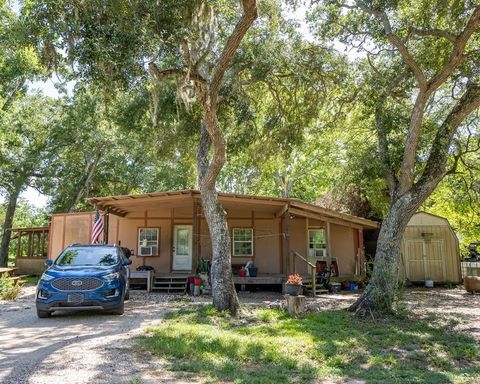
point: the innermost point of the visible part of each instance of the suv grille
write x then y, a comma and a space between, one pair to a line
77, 284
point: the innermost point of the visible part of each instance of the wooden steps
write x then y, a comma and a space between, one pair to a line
307, 287
170, 284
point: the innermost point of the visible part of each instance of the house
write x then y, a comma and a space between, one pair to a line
167, 230
430, 250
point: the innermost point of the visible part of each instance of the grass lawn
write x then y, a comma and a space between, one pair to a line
266, 346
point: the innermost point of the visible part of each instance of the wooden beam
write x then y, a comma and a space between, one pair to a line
317, 216
241, 200
359, 221
282, 211
113, 210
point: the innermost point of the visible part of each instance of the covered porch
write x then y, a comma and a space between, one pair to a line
284, 236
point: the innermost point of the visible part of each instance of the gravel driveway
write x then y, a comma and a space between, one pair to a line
84, 347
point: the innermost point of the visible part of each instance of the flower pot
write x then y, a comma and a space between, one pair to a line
293, 289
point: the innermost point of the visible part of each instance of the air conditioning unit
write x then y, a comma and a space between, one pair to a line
146, 251
317, 253
322, 252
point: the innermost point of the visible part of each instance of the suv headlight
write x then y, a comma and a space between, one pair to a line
112, 276
46, 277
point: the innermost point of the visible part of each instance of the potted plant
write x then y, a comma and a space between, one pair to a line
294, 286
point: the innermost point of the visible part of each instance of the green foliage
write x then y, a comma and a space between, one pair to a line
267, 346
9, 289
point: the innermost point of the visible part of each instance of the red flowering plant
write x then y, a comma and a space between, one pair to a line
294, 279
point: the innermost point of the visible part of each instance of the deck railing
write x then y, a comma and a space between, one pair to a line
313, 271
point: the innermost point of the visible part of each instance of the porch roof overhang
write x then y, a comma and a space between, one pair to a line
122, 205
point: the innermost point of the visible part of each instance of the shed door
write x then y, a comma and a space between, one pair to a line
414, 259
435, 260
425, 260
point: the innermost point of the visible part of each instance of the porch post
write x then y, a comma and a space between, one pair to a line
195, 234
30, 244
19, 244
106, 225
361, 252
287, 254
329, 246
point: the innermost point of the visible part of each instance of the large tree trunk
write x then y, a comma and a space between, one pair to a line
223, 288
380, 292
7, 227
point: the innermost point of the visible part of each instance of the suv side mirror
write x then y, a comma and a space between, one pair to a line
48, 262
127, 262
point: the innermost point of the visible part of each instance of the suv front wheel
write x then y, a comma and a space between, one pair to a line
119, 309
43, 314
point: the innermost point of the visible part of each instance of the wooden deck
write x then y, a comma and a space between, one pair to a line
260, 279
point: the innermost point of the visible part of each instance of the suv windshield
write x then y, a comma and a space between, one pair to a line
104, 256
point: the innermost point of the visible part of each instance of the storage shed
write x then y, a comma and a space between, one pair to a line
430, 250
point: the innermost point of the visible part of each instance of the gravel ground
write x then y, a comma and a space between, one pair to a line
92, 347
82, 347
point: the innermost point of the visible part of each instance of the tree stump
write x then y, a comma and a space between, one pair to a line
295, 305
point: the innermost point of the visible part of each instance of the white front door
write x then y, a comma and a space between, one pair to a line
182, 248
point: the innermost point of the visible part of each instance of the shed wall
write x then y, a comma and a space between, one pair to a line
414, 244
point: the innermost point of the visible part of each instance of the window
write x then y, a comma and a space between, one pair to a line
82, 256
242, 242
148, 241
317, 243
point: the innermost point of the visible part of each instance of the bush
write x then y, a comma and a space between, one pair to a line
9, 290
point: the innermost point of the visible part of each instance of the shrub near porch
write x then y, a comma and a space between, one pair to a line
266, 346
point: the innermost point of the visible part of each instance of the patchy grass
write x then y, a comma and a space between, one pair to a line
266, 346
32, 280
9, 289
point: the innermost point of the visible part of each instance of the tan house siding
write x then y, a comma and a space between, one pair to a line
343, 247
268, 217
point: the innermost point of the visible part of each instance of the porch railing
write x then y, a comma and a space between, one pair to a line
309, 265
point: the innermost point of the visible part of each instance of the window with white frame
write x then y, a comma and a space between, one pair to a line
317, 244
242, 242
148, 241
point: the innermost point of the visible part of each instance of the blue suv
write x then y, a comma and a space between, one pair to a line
84, 277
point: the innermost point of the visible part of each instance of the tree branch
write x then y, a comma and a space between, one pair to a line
397, 43
457, 55
250, 13
11, 97
159, 75
436, 163
432, 32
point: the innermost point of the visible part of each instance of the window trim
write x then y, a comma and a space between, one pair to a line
252, 241
309, 229
138, 242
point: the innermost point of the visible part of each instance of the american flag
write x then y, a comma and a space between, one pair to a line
97, 228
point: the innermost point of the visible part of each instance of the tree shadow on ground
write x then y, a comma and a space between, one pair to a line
269, 347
